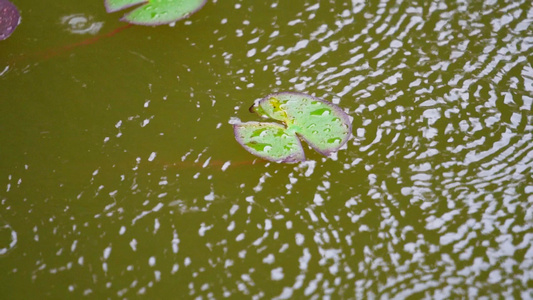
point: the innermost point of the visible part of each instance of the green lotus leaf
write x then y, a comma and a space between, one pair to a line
155, 12
323, 125
270, 141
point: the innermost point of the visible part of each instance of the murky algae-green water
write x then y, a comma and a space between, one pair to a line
120, 176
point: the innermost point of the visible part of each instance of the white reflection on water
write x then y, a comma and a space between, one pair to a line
12, 234
432, 198
81, 24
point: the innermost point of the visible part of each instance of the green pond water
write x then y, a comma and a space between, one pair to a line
120, 176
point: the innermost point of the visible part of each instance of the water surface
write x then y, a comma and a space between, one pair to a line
121, 176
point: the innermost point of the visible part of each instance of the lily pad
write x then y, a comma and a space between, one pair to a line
270, 141
323, 125
9, 19
155, 12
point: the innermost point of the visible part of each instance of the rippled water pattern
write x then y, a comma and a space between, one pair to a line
140, 189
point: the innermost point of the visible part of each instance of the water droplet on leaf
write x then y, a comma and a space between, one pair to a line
320, 112
334, 141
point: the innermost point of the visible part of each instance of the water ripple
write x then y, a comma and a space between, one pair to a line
431, 199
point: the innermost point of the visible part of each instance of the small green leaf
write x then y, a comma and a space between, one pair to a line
270, 141
155, 12
323, 125
116, 5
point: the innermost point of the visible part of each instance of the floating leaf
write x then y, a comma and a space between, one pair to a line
270, 141
155, 12
9, 19
323, 125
